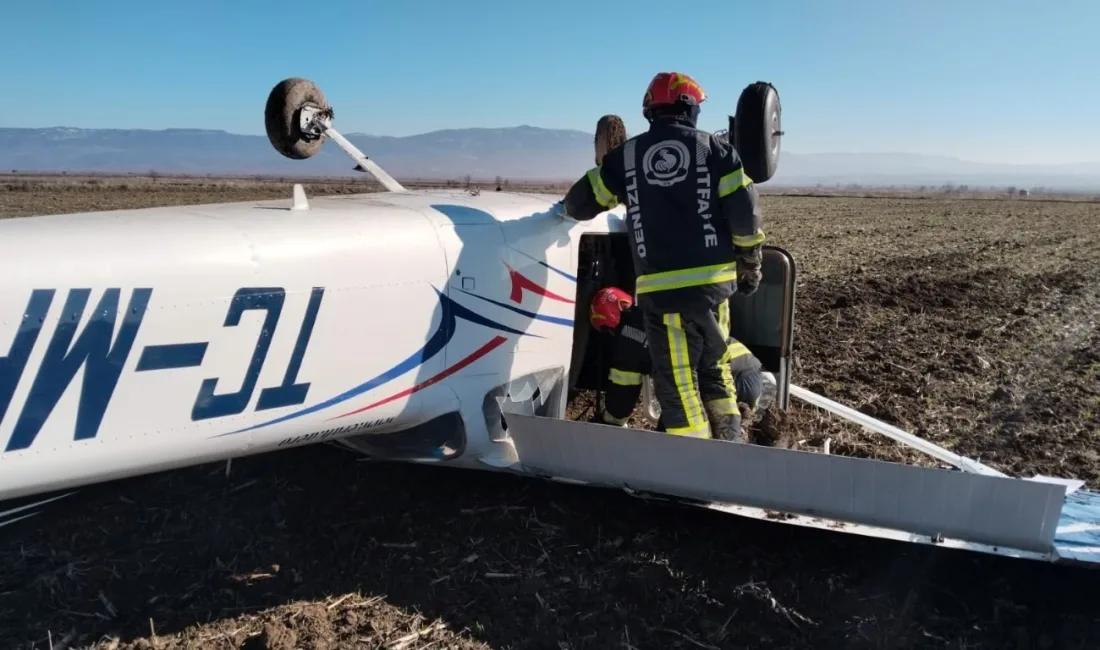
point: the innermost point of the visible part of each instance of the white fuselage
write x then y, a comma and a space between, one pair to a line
135, 341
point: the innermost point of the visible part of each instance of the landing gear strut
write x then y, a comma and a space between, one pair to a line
298, 119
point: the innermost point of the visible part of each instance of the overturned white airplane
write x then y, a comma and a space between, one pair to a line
423, 326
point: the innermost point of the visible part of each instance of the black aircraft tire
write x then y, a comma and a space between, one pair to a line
610, 133
758, 129
281, 115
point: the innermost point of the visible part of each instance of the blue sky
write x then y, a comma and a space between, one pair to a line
1008, 81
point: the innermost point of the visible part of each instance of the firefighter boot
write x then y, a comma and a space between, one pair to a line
724, 426
604, 417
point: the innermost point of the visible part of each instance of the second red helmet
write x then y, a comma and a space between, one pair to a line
607, 307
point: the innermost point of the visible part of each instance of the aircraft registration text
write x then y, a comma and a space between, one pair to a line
91, 348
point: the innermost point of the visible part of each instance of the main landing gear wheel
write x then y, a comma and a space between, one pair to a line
610, 133
283, 117
756, 130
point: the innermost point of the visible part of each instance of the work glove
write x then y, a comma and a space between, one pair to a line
748, 269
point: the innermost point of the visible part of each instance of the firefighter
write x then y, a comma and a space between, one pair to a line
612, 311
694, 223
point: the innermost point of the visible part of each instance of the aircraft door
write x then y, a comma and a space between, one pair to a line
764, 321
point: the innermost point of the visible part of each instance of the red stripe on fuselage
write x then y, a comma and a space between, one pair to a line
521, 282
474, 356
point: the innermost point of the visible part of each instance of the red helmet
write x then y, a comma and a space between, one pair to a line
667, 88
607, 307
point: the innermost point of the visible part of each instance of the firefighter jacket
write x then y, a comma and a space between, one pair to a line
690, 212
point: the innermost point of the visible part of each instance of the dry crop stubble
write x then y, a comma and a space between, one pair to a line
969, 321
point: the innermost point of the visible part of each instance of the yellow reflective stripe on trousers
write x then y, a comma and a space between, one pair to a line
697, 425
689, 432
748, 241
681, 278
737, 349
724, 406
724, 363
732, 182
624, 378
603, 195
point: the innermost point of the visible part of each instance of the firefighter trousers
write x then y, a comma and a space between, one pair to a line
625, 382
691, 373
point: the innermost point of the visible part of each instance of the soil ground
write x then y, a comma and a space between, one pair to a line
970, 322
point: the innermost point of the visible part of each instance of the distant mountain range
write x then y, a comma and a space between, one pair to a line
520, 153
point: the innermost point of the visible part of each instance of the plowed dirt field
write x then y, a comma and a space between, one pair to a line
970, 322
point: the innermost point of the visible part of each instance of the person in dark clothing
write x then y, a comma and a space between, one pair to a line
612, 310
694, 223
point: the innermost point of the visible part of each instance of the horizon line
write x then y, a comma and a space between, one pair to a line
541, 128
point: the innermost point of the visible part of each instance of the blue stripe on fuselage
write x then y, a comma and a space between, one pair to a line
450, 310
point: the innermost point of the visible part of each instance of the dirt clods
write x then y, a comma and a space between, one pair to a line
772, 430
972, 323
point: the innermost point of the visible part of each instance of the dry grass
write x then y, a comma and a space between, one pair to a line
22, 195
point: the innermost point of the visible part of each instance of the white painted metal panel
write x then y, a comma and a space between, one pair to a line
982, 509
